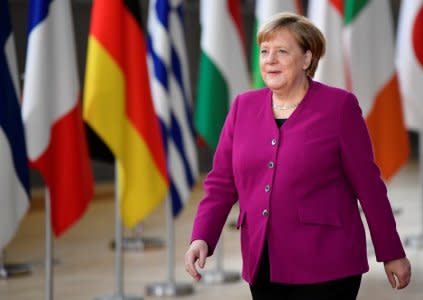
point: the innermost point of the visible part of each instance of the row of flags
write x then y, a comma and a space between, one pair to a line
361, 58
368, 70
143, 114
137, 94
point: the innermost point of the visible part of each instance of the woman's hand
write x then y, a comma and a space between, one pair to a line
197, 251
398, 272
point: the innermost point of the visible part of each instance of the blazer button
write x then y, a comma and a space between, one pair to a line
267, 188
271, 164
265, 213
273, 142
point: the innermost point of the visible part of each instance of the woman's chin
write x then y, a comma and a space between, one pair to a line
274, 85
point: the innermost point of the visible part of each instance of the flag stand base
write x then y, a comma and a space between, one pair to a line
168, 289
14, 270
217, 277
139, 244
117, 297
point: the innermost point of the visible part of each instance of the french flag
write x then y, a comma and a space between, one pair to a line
51, 110
14, 179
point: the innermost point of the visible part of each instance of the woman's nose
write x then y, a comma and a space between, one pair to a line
271, 57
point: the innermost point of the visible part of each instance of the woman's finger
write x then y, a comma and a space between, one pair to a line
190, 265
392, 280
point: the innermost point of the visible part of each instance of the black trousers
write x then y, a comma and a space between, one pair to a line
340, 289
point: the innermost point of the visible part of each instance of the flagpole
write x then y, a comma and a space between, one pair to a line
119, 292
416, 242
48, 249
118, 240
170, 288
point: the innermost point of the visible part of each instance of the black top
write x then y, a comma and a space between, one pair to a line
280, 122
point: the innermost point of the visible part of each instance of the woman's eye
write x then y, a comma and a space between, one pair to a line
263, 51
282, 51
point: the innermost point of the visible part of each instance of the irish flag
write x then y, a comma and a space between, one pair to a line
409, 61
223, 69
264, 10
52, 114
369, 42
118, 106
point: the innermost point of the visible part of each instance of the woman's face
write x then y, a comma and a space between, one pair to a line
282, 61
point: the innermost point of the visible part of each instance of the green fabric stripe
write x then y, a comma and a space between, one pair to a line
255, 61
212, 102
352, 8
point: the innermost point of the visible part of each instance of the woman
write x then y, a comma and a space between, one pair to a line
297, 180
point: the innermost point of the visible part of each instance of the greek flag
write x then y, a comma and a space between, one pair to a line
170, 87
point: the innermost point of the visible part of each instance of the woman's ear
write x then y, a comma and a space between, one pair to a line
307, 61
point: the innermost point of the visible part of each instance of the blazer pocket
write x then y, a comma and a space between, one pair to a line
241, 220
312, 215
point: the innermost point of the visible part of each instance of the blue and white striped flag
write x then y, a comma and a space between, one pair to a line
14, 178
170, 87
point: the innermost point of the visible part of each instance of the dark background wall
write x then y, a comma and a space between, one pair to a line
102, 158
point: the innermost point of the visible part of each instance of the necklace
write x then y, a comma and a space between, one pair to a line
277, 106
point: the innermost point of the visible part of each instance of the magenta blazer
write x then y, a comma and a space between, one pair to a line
297, 188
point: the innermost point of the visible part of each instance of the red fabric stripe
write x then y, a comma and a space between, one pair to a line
417, 36
139, 103
66, 169
107, 27
235, 12
299, 7
339, 6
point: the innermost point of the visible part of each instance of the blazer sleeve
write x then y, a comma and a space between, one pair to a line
220, 192
364, 176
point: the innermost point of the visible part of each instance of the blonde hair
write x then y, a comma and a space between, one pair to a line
307, 35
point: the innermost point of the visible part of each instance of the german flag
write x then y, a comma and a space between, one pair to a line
118, 106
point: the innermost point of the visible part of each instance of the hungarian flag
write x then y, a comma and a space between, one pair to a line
223, 71
14, 178
265, 9
370, 45
118, 106
328, 16
51, 111
409, 61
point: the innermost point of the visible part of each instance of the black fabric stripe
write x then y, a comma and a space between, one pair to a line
134, 8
